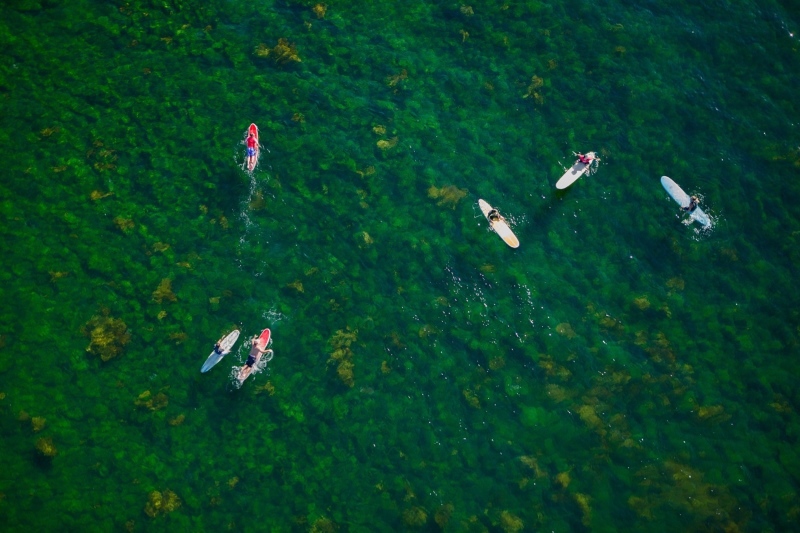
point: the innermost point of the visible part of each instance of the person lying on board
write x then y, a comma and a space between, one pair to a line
252, 360
255, 351
693, 201
494, 215
251, 149
584, 158
217, 348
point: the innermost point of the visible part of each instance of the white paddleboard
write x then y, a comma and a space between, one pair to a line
577, 170
225, 345
499, 226
683, 200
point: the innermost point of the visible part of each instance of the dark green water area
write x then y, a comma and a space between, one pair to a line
619, 371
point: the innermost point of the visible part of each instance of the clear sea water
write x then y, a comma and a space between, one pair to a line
620, 371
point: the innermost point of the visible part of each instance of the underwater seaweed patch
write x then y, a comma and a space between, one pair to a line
391, 81
46, 447
108, 335
159, 503
510, 522
387, 144
447, 196
152, 402
343, 355
415, 516
164, 292
282, 53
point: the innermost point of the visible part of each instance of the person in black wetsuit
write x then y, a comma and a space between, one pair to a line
693, 201
494, 215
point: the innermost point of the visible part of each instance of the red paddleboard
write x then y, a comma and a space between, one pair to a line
261, 342
251, 162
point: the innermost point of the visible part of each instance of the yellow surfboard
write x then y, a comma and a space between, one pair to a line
499, 226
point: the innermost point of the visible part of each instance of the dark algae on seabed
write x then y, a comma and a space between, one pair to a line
620, 371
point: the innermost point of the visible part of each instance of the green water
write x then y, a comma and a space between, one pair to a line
620, 371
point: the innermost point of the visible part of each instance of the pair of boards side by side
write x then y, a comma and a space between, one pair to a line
683, 200
225, 346
499, 226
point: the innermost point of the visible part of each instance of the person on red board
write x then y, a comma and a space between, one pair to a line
252, 145
256, 352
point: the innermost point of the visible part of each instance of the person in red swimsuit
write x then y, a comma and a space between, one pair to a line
251, 150
584, 159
